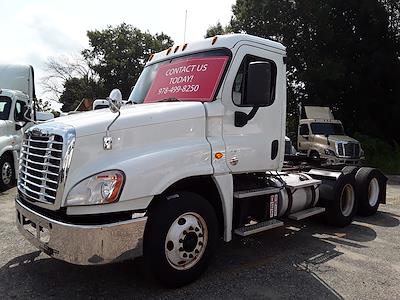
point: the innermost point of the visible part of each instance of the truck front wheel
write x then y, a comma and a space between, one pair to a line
7, 176
180, 237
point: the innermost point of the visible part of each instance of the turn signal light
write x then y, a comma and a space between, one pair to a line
218, 155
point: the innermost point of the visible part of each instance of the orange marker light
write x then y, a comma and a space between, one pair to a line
219, 155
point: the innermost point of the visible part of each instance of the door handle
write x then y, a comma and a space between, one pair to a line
274, 149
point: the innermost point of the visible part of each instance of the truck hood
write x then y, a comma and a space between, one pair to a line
339, 138
93, 122
5, 126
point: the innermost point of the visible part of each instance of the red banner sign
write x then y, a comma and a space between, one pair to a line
194, 79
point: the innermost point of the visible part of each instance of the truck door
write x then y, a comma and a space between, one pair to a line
303, 138
257, 145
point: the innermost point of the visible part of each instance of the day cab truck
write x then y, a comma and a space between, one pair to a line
197, 158
17, 94
321, 137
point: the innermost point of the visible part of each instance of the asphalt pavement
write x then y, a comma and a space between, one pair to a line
304, 260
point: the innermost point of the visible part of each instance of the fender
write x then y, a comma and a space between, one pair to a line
224, 184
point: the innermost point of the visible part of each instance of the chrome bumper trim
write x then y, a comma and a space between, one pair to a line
82, 244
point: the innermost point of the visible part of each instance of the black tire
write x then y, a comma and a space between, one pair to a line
350, 170
7, 172
342, 206
371, 190
314, 155
162, 216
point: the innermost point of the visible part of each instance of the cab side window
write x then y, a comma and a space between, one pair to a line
239, 96
19, 110
304, 129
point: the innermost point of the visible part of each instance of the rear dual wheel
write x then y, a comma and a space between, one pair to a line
180, 238
371, 190
340, 210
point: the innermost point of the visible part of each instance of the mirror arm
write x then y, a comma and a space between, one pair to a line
26, 118
252, 113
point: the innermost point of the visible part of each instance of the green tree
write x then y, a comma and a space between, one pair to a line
76, 89
69, 80
118, 54
342, 54
217, 29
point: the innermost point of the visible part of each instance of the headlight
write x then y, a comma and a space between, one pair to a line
330, 152
102, 188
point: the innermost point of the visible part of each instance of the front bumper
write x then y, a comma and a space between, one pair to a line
82, 244
335, 160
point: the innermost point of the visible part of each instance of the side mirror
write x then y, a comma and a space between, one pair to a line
115, 100
327, 139
19, 117
258, 84
25, 116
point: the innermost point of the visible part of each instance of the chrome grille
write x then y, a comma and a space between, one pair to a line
340, 149
349, 150
352, 150
40, 165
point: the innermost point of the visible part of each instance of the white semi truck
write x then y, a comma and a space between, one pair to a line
17, 94
197, 158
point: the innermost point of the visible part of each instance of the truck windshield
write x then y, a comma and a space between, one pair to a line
327, 128
193, 77
5, 106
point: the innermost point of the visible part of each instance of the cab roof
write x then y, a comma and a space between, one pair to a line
13, 93
219, 41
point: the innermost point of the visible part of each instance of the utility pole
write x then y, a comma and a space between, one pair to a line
184, 32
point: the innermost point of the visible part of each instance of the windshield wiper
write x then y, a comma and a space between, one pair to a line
172, 99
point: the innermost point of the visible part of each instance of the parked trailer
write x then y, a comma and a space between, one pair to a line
197, 158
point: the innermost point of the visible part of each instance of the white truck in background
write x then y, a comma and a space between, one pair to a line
322, 138
197, 158
17, 93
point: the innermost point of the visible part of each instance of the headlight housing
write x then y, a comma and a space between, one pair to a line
101, 188
330, 152
361, 152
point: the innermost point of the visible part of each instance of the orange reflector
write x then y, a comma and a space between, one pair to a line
219, 155
214, 40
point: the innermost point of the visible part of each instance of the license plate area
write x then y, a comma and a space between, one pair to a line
38, 231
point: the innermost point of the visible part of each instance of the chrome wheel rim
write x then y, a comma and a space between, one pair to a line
347, 200
186, 241
6, 173
373, 192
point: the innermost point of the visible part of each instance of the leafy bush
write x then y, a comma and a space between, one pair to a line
380, 154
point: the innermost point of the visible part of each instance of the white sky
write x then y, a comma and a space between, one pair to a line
32, 31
